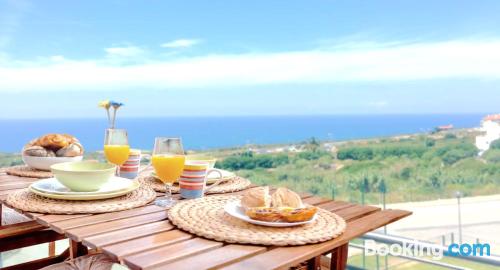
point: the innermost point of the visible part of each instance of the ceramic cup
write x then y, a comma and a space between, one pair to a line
193, 180
130, 169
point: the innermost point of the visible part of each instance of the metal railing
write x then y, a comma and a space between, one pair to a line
391, 239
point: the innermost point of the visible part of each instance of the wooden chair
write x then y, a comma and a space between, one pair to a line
18, 231
94, 262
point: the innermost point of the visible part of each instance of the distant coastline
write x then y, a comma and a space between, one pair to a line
207, 133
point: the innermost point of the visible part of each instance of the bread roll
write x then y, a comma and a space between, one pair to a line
256, 197
284, 197
71, 139
72, 150
35, 151
53, 141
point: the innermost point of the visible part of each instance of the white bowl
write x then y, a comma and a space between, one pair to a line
44, 163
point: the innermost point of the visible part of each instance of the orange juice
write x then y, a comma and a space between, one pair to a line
116, 154
168, 167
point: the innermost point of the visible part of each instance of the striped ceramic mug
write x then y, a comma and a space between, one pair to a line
193, 180
130, 169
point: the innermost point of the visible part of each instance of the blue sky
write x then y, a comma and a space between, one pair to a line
166, 58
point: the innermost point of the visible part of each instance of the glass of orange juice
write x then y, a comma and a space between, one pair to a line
116, 148
168, 161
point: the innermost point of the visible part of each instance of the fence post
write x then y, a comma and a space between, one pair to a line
364, 254
333, 190
378, 263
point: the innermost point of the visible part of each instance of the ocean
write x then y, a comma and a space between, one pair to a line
201, 133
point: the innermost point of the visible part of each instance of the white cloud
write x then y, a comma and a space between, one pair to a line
181, 43
459, 59
57, 58
11, 15
379, 103
128, 51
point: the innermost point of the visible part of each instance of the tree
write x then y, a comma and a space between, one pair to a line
313, 144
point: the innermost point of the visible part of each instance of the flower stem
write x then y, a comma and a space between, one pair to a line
114, 117
109, 117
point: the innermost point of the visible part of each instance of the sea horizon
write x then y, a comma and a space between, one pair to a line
212, 132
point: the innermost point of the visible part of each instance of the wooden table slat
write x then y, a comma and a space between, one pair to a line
290, 256
142, 244
78, 233
213, 259
316, 200
106, 217
170, 253
356, 211
334, 206
48, 218
100, 240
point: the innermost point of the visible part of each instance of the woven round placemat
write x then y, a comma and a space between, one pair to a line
232, 185
30, 202
25, 171
206, 217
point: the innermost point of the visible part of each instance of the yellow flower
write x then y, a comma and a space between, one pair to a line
105, 104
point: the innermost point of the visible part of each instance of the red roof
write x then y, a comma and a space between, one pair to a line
492, 117
450, 126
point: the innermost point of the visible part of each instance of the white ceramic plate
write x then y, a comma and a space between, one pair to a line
87, 197
234, 209
52, 186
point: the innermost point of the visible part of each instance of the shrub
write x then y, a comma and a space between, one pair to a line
492, 155
405, 173
281, 159
455, 152
399, 151
430, 143
366, 153
453, 156
355, 153
311, 155
495, 144
249, 161
450, 136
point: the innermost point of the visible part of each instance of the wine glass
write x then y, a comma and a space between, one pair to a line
168, 161
116, 148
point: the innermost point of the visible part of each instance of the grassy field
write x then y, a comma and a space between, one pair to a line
410, 168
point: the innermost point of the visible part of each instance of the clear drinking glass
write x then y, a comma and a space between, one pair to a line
116, 148
168, 161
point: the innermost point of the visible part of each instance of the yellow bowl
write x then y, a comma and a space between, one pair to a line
83, 176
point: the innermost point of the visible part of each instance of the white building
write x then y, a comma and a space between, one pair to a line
490, 128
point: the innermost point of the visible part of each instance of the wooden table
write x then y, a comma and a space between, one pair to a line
143, 238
